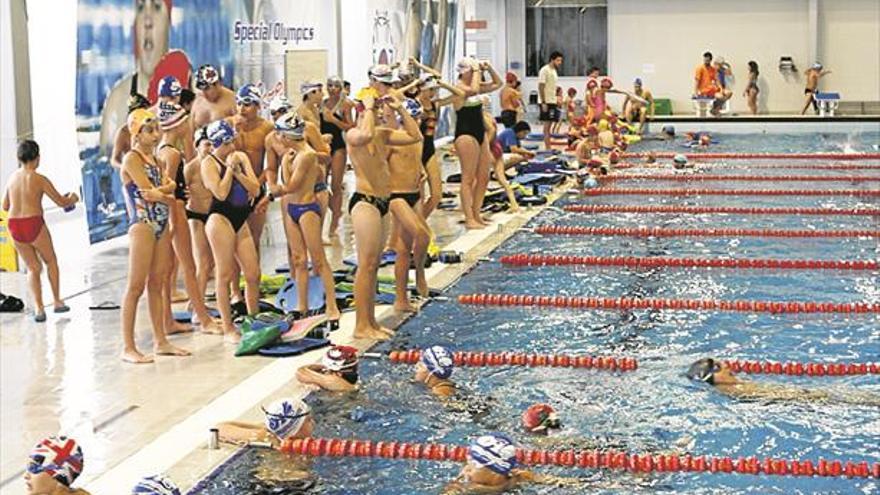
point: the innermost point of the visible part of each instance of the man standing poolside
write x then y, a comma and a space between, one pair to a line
547, 78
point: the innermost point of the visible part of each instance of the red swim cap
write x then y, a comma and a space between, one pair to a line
539, 417
510, 77
592, 130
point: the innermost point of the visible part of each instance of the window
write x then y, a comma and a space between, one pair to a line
577, 29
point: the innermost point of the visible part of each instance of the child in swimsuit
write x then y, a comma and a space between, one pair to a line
24, 202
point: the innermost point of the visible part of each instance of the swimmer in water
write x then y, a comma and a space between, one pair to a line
53, 465
492, 468
30, 234
338, 371
434, 369
720, 376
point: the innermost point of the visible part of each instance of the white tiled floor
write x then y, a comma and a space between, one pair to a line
65, 375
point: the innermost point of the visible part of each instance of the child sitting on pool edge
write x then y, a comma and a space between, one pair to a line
337, 372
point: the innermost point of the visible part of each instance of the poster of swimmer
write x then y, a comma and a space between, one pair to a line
126, 46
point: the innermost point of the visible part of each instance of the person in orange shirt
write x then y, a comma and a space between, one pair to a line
706, 84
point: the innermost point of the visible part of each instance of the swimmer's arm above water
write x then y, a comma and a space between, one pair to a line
365, 131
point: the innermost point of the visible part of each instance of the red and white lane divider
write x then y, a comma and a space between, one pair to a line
761, 156
738, 210
628, 303
586, 459
798, 369
653, 262
719, 232
464, 358
638, 191
787, 166
741, 178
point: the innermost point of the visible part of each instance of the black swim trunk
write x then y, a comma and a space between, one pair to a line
808, 91
194, 215
508, 118
380, 204
428, 150
411, 198
551, 115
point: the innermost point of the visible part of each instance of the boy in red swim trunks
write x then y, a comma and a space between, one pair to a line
24, 202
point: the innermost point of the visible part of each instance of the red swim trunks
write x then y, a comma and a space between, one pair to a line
25, 230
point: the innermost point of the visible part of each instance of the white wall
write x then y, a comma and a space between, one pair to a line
672, 35
849, 45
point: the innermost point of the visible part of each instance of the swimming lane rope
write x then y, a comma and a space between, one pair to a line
465, 358
743, 178
787, 166
718, 232
619, 191
739, 210
627, 303
763, 156
651, 262
587, 459
798, 369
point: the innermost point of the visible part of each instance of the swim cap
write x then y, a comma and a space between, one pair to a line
510, 78
285, 417
572, 91
279, 104
200, 135
402, 75
603, 125
428, 81
171, 115
637, 82
308, 86
291, 125
249, 94
169, 86
540, 417
138, 119
679, 160
494, 452
136, 101
579, 121
381, 73
340, 358
668, 130
155, 485
614, 157
438, 360
220, 132
703, 369
466, 64
59, 456
817, 66
206, 76
362, 93
607, 82
413, 107
705, 139
334, 81
592, 83
590, 182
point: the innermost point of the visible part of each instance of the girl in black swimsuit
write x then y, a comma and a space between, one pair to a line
336, 119
174, 123
231, 180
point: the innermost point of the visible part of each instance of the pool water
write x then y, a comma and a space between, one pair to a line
655, 409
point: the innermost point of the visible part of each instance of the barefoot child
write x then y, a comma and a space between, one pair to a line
30, 234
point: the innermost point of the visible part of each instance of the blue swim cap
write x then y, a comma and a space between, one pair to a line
638, 81
220, 132
438, 360
155, 485
668, 129
169, 86
249, 94
590, 182
413, 107
285, 417
290, 125
495, 452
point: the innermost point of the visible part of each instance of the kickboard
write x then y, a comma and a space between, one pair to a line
186, 316
386, 259
294, 348
286, 298
301, 328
